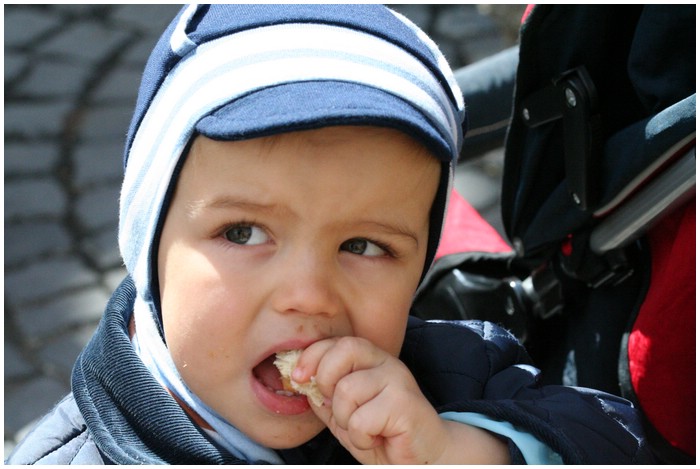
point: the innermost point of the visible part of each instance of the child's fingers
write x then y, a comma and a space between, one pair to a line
346, 356
325, 414
356, 390
356, 440
370, 406
329, 360
308, 361
376, 409
363, 408
371, 424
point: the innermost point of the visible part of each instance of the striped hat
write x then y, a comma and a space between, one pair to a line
233, 72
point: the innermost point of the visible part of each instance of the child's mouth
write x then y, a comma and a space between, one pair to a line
268, 374
269, 389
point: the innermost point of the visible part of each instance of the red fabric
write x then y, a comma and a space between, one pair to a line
661, 346
526, 13
465, 230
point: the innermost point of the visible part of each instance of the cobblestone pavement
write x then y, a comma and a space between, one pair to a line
71, 76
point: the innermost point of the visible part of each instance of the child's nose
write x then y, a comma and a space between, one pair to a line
307, 284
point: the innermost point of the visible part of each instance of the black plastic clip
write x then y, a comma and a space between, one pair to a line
572, 97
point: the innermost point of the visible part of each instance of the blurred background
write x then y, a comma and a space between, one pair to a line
71, 77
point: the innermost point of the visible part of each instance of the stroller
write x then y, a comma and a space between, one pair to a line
598, 204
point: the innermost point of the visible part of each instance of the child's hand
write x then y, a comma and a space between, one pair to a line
375, 408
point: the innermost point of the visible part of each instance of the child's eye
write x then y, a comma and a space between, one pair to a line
246, 235
363, 247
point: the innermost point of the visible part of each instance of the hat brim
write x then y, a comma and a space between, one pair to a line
314, 104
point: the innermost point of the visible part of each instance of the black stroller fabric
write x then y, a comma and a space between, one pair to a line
636, 63
642, 62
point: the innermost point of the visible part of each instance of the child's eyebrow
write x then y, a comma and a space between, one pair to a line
393, 230
227, 202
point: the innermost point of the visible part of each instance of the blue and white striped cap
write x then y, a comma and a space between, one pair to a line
233, 72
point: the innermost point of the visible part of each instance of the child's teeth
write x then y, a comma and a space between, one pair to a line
282, 392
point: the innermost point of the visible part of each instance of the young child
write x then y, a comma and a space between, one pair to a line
287, 172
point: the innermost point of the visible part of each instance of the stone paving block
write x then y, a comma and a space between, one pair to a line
420, 14
75, 9
16, 366
103, 248
49, 78
9, 446
70, 310
138, 53
30, 158
24, 25
122, 85
98, 162
146, 17
507, 16
487, 45
99, 207
35, 119
25, 241
59, 355
32, 198
114, 277
491, 164
107, 122
478, 189
457, 22
40, 279
14, 65
452, 54
42, 392
85, 41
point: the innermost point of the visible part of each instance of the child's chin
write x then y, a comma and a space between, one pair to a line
290, 436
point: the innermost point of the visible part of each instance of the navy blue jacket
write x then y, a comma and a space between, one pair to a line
118, 413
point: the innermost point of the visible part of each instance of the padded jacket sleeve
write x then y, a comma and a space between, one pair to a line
61, 438
475, 366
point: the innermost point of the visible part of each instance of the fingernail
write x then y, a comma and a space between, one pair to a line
298, 374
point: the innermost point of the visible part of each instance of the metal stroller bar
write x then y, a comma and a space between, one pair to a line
669, 190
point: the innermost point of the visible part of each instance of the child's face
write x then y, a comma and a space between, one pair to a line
274, 243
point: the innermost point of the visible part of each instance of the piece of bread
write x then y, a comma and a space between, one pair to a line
285, 363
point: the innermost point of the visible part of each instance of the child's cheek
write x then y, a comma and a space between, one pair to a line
383, 322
